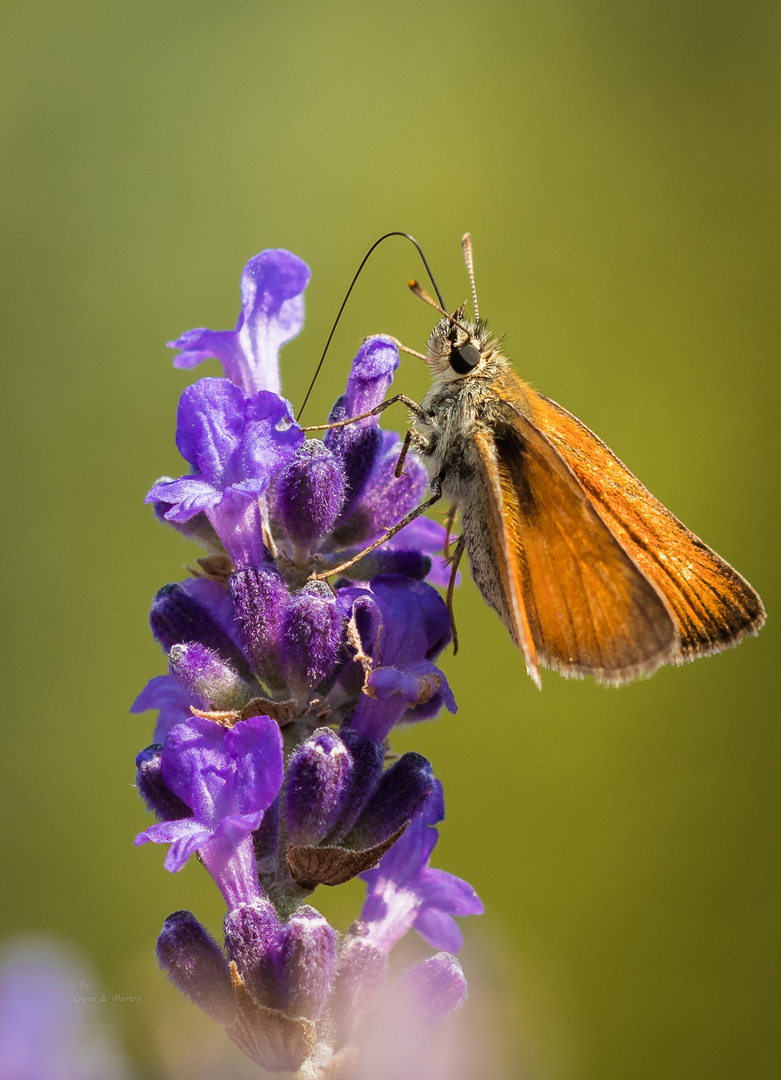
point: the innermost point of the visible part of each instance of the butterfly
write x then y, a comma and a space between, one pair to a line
590, 573
587, 570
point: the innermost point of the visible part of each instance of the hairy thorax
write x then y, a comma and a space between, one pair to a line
459, 408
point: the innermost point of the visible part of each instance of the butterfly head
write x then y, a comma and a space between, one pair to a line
458, 347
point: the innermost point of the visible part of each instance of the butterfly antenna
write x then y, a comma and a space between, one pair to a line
365, 259
466, 247
421, 294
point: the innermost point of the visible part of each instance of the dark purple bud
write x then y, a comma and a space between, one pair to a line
412, 564
312, 635
316, 786
288, 966
310, 493
177, 618
358, 448
308, 963
197, 528
196, 965
154, 790
253, 940
400, 795
203, 672
260, 600
360, 445
434, 988
368, 759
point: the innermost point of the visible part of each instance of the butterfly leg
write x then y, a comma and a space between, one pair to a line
413, 439
414, 408
424, 506
449, 521
454, 560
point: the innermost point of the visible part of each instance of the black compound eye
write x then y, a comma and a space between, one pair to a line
464, 359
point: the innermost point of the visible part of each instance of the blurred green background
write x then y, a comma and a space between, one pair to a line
618, 166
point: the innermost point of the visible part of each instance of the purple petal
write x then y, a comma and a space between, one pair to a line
185, 837
438, 929
188, 496
237, 521
209, 426
272, 287
449, 893
371, 375
201, 344
173, 701
256, 747
197, 768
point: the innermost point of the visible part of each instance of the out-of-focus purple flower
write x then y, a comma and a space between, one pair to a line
228, 778
272, 312
50, 1025
405, 892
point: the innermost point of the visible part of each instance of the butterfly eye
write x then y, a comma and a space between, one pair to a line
464, 359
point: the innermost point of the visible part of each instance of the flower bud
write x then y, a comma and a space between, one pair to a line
359, 445
289, 966
310, 493
177, 617
260, 600
196, 965
367, 761
253, 940
434, 988
308, 963
203, 672
400, 795
316, 786
312, 635
154, 790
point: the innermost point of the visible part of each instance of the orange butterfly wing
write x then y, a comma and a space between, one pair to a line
570, 594
714, 607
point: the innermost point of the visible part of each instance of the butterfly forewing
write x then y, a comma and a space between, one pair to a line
589, 608
714, 607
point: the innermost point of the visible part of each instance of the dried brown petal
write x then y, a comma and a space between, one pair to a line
311, 865
268, 1037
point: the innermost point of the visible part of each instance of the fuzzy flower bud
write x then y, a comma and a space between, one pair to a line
310, 493
260, 600
178, 617
196, 965
400, 795
312, 635
316, 785
203, 672
153, 789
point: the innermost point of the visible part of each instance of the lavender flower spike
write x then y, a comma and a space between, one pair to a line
284, 687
